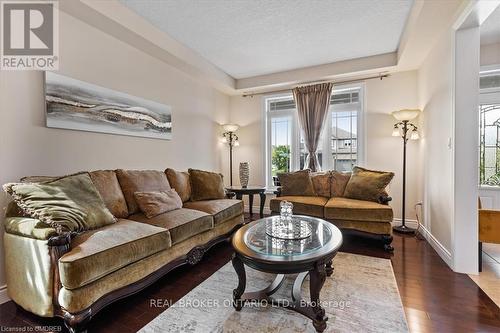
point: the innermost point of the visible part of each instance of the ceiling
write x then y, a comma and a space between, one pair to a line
247, 38
490, 29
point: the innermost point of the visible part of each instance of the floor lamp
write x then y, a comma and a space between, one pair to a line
407, 131
232, 140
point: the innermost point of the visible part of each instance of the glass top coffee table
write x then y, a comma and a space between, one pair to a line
261, 246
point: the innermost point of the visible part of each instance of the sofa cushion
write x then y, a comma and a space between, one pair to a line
111, 193
339, 182
179, 180
155, 203
181, 223
132, 181
206, 185
321, 183
302, 205
367, 184
97, 253
69, 203
221, 209
296, 183
357, 210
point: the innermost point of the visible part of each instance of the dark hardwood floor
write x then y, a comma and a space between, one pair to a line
435, 298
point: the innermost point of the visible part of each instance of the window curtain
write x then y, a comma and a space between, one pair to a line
312, 105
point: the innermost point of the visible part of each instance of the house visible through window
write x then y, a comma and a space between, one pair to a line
339, 146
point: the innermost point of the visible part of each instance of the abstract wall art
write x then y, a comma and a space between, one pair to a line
78, 105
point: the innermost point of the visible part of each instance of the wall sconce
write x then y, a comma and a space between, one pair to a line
231, 139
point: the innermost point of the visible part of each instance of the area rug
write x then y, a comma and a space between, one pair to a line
360, 296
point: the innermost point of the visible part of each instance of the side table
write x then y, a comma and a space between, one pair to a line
239, 191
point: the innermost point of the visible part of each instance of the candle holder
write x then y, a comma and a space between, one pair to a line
287, 226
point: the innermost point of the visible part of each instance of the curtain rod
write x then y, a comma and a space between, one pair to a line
380, 76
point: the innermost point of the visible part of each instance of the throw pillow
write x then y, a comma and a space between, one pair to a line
367, 184
321, 183
70, 203
296, 183
180, 182
132, 181
339, 183
206, 185
156, 203
111, 193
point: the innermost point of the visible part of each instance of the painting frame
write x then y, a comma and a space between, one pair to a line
74, 104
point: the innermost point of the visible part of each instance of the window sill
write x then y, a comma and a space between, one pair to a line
489, 188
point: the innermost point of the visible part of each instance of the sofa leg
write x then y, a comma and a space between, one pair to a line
77, 323
387, 240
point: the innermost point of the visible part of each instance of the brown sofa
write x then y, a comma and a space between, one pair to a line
360, 216
74, 276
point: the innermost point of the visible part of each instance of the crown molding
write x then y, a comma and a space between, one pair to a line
335, 70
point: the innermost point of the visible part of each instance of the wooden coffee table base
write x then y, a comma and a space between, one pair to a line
312, 310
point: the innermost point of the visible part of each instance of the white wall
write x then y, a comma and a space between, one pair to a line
27, 147
435, 86
490, 54
383, 152
466, 163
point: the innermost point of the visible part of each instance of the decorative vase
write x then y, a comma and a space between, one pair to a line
244, 174
286, 211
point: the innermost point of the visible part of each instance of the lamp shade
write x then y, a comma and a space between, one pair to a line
230, 127
406, 114
414, 135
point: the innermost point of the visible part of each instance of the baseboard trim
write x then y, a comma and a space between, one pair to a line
437, 246
408, 222
3, 294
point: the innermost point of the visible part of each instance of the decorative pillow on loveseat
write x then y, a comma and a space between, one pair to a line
339, 183
367, 184
296, 183
156, 203
321, 183
70, 203
206, 185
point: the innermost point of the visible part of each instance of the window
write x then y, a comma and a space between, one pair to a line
280, 129
339, 147
489, 129
489, 149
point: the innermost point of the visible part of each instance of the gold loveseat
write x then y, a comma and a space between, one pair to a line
328, 202
74, 276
